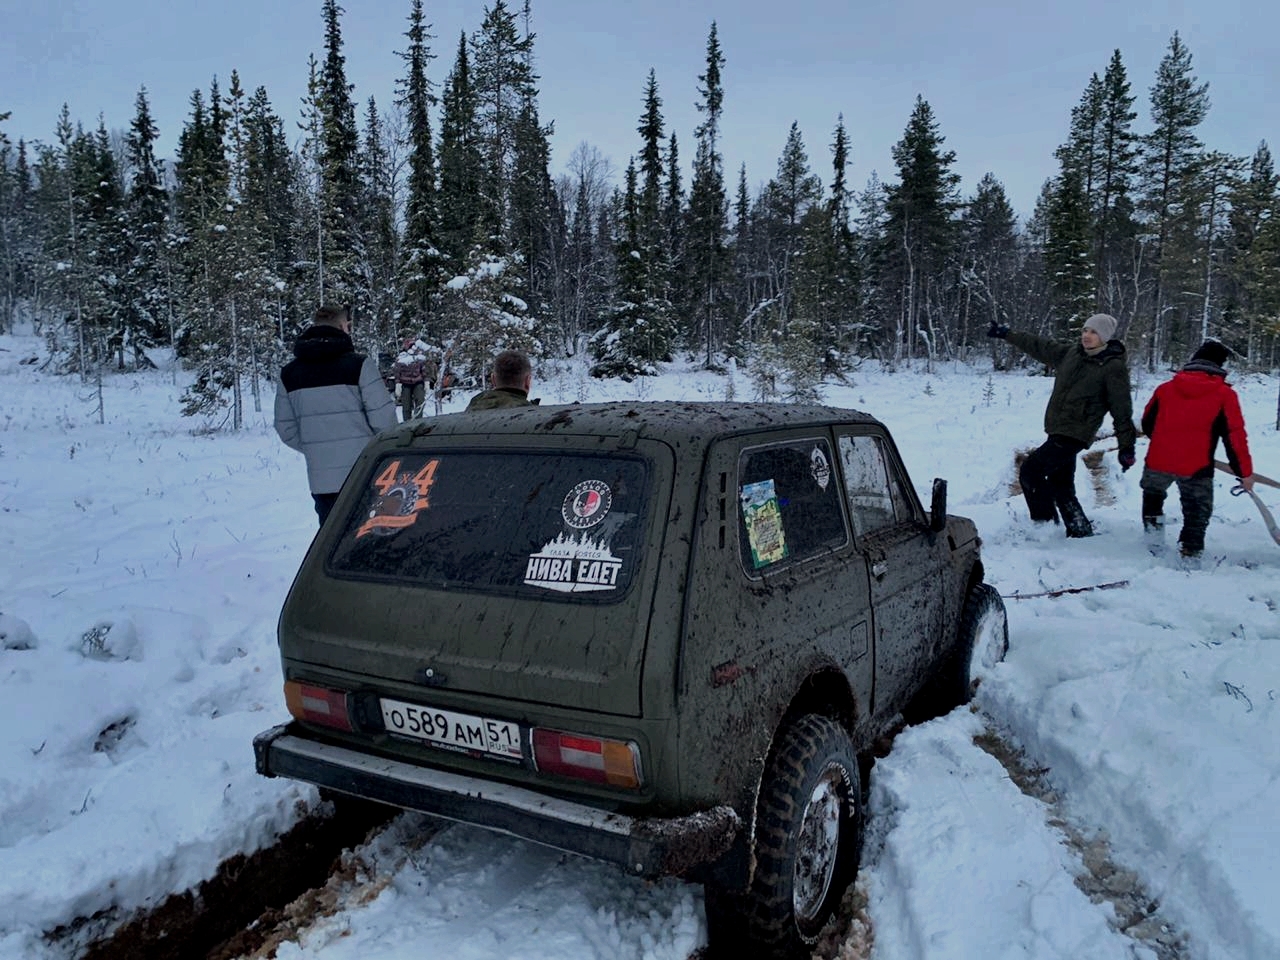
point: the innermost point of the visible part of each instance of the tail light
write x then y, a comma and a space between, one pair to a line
596, 760
317, 705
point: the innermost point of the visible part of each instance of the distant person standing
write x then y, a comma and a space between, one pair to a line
511, 380
411, 379
330, 401
1185, 418
1091, 379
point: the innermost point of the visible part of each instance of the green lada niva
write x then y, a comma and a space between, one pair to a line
665, 635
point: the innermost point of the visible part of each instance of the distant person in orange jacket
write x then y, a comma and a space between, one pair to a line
1184, 419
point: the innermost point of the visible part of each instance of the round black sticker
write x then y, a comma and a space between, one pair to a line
587, 504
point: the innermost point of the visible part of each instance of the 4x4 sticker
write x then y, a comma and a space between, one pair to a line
573, 565
587, 504
763, 519
402, 495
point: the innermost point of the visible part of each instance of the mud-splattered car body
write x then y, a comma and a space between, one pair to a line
589, 625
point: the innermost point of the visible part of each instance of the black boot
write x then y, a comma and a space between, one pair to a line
1073, 518
1153, 534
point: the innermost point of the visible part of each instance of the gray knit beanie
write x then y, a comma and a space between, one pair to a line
1103, 324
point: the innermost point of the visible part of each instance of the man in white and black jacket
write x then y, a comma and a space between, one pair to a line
330, 401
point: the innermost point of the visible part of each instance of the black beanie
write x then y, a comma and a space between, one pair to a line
1211, 351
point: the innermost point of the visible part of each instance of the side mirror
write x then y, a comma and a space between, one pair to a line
938, 509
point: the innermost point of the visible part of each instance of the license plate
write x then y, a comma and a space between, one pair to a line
457, 731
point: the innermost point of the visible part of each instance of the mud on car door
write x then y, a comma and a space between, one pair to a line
906, 563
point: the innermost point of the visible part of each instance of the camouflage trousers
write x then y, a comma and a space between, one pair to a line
1196, 494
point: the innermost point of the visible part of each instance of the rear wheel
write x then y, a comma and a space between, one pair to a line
808, 835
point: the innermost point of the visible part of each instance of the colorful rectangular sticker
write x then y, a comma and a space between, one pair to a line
763, 519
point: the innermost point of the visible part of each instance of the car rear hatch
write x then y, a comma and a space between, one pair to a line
523, 573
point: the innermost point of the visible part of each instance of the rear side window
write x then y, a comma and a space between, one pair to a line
789, 504
526, 523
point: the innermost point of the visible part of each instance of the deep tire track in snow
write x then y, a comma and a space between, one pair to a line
257, 902
1137, 912
198, 923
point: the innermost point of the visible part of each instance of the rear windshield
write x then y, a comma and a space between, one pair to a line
538, 524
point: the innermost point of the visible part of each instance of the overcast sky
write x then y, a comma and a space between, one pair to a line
1001, 76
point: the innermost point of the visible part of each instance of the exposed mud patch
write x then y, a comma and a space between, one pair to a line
1099, 477
1137, 913
358, 877
849, 935
199, 922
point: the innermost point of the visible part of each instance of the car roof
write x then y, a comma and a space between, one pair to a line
672, 420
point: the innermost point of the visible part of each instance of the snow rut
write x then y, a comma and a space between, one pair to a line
1137, 912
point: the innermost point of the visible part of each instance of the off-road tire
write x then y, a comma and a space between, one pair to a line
982, 641
808, 836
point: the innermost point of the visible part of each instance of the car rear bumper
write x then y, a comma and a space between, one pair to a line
643, 846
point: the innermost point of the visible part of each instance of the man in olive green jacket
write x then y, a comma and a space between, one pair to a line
512, 379
1091, 379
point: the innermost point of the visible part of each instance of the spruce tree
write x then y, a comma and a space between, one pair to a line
312, 207
536, 219
271, 195
789, 196
13, 203
919, 230
989, 228
29, 228
203, 196
620, 348
64, 249
422, 271
673, 218
340, 193
239, 305
1202, 234
839, 303
461, 203
705, 232
1068, 251
147, 316
744, 287
1114, 227
8, 220
1170, 153
652, 229
380, 239
101, 247
502, 79
874, 287
483, 318
1082, 151
1252, 275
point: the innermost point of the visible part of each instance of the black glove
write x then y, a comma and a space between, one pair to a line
1127, 458
999, 330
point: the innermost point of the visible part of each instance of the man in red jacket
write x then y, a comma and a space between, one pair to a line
1184, 420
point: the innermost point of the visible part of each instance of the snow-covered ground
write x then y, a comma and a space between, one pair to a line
142, 566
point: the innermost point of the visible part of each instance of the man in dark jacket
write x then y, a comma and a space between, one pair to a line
1185, 418
411, 378
1091, 379
330, 401
512, 377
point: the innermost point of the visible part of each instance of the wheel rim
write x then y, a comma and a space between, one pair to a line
818, 845
991, 643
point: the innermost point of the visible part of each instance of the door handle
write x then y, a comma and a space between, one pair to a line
879, 569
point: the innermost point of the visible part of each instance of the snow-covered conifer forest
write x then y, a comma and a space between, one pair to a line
431, 209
